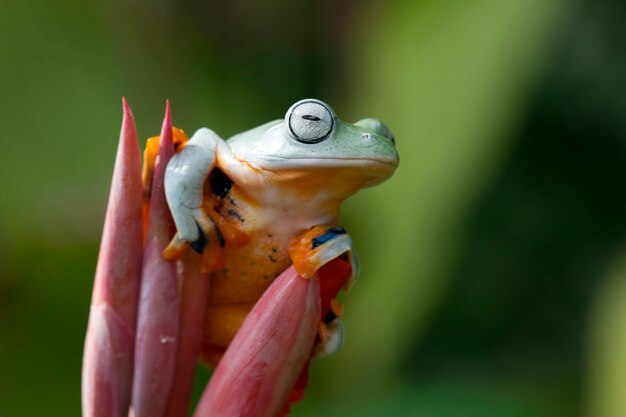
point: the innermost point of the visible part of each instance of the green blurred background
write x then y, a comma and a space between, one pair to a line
494, 262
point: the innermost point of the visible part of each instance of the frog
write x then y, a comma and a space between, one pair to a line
268, 198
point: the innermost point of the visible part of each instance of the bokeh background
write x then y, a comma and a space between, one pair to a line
494, 262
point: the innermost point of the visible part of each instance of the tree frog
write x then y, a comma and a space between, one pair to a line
268, 198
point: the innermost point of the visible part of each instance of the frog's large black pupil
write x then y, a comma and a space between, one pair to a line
311, 117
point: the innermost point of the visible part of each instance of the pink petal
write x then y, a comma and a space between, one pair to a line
107, 363
157, 332
108, 355
157, 323
194, 297
262, 364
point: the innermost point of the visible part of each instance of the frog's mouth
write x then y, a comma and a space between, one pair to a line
376, 169
329, 162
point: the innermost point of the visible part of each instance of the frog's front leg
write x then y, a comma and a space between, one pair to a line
326, 250
184, 184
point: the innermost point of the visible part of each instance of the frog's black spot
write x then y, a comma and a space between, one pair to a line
274, 249
220, 183
311, 117
236, 215
332, 233
271, 258
199, 244
330, 317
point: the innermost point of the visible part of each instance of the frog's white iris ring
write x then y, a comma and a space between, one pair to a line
310, 121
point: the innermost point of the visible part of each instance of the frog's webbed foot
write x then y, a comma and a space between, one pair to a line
184, 183
330, 338
204, 226
313, 252
320, 245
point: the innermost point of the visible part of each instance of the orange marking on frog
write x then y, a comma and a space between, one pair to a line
300, 251
149, 157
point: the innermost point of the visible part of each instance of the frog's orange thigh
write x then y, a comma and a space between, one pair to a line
223, 322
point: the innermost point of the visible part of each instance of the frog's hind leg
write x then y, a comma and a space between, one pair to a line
220, 326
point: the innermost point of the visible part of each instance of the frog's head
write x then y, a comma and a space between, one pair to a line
311, 143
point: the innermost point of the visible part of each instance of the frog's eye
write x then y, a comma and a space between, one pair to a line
309, 121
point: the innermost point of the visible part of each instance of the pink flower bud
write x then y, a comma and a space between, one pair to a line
157, 322
267, 356
109, 344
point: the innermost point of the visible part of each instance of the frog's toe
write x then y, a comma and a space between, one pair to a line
177, 245
333, 245
320, 245
198, 240
332, 341
175, 248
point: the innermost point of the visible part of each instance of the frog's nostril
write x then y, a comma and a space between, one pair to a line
377, 127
